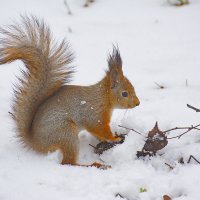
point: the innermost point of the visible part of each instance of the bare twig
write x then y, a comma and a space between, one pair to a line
181, 161
169, 166
131, 129
192, 107
179, 136
178, 128
92, 146
192, 157
160, 86
172, 129
119, 195
11, 114
67, 7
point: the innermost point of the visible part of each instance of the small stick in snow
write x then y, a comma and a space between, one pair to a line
131, 129
192, 157
181, 161
11, 114
176, 128
160, 86
68, 8
192, 107
169, 166
119, 195
92, 146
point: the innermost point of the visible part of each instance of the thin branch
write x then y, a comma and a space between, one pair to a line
11, 114
131, 129
164, 132
160, 86
122, 197
192, 157
169, 166
177, 128
67, 7
179, 136
92, 146
192, 107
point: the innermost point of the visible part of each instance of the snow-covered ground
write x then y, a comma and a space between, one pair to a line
160, 44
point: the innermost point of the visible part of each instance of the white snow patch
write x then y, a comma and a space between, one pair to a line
83, 102
158, 43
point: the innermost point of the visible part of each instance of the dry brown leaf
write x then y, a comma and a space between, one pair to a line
166, 197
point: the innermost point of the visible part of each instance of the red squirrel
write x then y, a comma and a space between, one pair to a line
49, 113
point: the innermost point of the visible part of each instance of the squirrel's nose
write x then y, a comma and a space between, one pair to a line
137, 102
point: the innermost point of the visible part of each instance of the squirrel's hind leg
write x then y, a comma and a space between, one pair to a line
70, 150
52, 136
69, 145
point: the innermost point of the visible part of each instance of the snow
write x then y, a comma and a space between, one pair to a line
159, 43
83, 102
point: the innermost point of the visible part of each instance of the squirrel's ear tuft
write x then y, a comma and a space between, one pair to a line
115, 67
114, 59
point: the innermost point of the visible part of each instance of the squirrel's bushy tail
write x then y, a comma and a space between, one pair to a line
47, 66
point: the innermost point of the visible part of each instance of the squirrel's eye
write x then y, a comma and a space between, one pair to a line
124, 94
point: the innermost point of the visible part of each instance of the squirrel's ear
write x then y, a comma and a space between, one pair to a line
115, 67
114, 78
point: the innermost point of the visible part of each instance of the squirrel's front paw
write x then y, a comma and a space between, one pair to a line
118, 138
